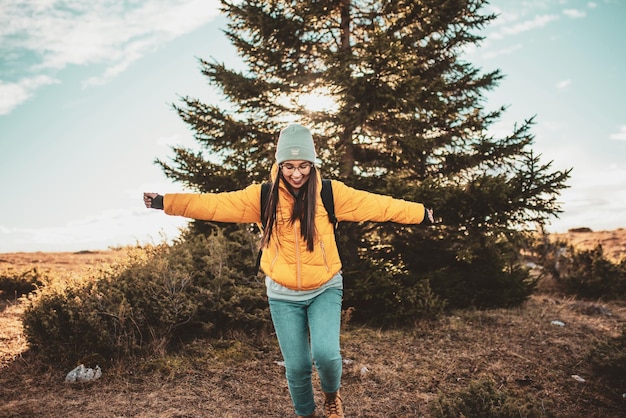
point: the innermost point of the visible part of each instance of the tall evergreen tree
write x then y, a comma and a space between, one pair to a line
408, 120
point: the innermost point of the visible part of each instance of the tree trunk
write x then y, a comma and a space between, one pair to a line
345, 142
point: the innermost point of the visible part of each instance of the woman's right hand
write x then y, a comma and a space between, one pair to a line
153, 200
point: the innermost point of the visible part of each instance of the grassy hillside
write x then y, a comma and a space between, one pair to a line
536, 357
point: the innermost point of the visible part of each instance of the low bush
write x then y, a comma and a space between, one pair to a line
608, 359
405, 276
388, 295
63, 323
590, 274
484, 279
587, 274
482, 399
159, 295
19, 283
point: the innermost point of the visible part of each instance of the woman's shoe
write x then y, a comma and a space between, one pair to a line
332, 405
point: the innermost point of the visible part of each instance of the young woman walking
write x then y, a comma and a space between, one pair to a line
300, 259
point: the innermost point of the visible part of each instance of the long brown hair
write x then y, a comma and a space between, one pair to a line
303, 208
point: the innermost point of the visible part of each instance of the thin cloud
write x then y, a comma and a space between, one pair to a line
528, 25
504, 51
14, 94
562, 85
503, 17
528, 16
574, 13
621, 135
44, 37
597, 200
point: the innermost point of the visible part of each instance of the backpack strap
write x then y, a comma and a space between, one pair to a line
329, 201
265, 193
329, 205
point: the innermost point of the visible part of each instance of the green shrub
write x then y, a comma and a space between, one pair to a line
223, 267
18, 283
482, 399
401, 273
158, 295
388, 295
608, 359
590, 274
483, 279
63, 323
585, 273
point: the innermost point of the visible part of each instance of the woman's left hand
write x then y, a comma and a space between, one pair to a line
429, 213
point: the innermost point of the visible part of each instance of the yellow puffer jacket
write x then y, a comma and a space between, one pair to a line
287, 260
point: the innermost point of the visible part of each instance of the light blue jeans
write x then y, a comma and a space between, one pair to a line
308, 332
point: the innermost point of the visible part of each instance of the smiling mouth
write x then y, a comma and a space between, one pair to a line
297, 183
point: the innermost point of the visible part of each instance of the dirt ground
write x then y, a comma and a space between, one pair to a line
386, 373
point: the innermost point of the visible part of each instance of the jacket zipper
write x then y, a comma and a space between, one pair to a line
324, 256
274, 260
297, 248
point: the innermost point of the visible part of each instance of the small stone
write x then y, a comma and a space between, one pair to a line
83, 374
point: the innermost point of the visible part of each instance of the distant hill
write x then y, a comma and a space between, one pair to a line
613, 242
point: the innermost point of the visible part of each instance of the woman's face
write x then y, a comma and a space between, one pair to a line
296, 172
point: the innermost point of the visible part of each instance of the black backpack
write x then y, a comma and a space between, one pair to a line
327, 200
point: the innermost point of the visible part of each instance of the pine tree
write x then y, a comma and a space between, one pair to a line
408, 121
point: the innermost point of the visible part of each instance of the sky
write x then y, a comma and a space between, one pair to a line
87, 89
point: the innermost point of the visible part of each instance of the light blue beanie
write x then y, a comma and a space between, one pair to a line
295, 142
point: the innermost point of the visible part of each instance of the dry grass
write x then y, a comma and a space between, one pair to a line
386, 373
58, 263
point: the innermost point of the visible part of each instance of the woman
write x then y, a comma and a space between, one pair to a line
300, 257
